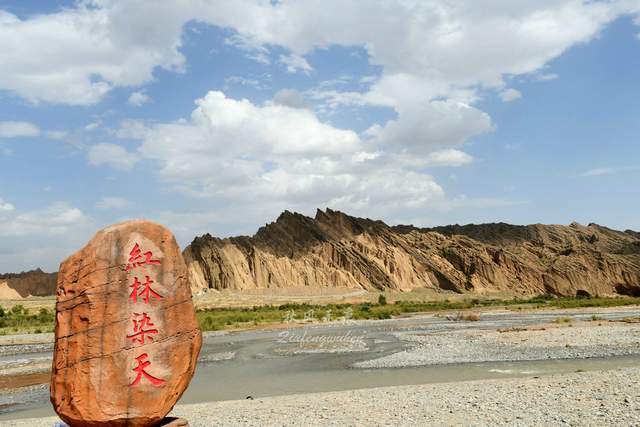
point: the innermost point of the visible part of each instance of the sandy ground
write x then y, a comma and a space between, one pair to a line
31, 303
8, 293
588, 399
249, 298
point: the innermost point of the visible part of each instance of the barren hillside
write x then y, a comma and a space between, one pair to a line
337, 250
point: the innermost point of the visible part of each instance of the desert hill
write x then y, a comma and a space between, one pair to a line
337, 250
34, 282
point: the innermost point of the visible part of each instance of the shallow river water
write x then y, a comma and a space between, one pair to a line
320, 358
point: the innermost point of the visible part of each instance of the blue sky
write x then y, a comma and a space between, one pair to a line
216, 116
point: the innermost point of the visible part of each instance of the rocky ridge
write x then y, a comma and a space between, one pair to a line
337, 250
34, 282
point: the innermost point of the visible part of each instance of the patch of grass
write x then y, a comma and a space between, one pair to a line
563, 319
227, 318
19, 320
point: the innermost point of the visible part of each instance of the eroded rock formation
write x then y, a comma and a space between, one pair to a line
34, 282
334, 249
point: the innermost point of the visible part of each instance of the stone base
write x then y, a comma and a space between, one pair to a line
174, 422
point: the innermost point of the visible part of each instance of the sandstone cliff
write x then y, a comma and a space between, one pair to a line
337, 250
34, 282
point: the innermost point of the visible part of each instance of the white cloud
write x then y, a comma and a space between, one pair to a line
274, 156
369, 79
430, 126
290, 98
138, 98
295, 63
244, 81
510, 94
112, 155
78, 54
253, 49
56, 219
41, 237
433, 67
6, 207
112, 202
448, 157
57, 134
131, 129
600, 171
434, 58
92, 126
11, 129
547, 77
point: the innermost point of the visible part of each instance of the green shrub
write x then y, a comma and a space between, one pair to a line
382, 315
18, 310
382, 300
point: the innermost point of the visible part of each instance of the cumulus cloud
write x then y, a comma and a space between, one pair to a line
77, 55
54, 220
112, 155
510, 94
433, 70
434, 125
275, 156
435, 60
41, 237
11, 129
448, 157
290, 98
138, 98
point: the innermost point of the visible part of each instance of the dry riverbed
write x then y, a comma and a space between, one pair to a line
425, 369
551, 341
586, 399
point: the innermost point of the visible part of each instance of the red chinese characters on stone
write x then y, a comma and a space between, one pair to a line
140, 369
145, 292
141, 328
136, 258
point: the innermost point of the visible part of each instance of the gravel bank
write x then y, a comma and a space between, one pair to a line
589, 399
573, 341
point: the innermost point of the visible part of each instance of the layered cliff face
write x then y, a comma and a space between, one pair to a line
337, 250
34, 282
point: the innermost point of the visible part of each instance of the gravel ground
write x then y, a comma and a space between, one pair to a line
582, 340
586, 399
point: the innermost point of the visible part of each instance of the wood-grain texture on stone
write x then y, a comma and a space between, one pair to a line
94, 360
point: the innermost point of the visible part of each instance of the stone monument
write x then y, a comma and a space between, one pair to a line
126, 337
